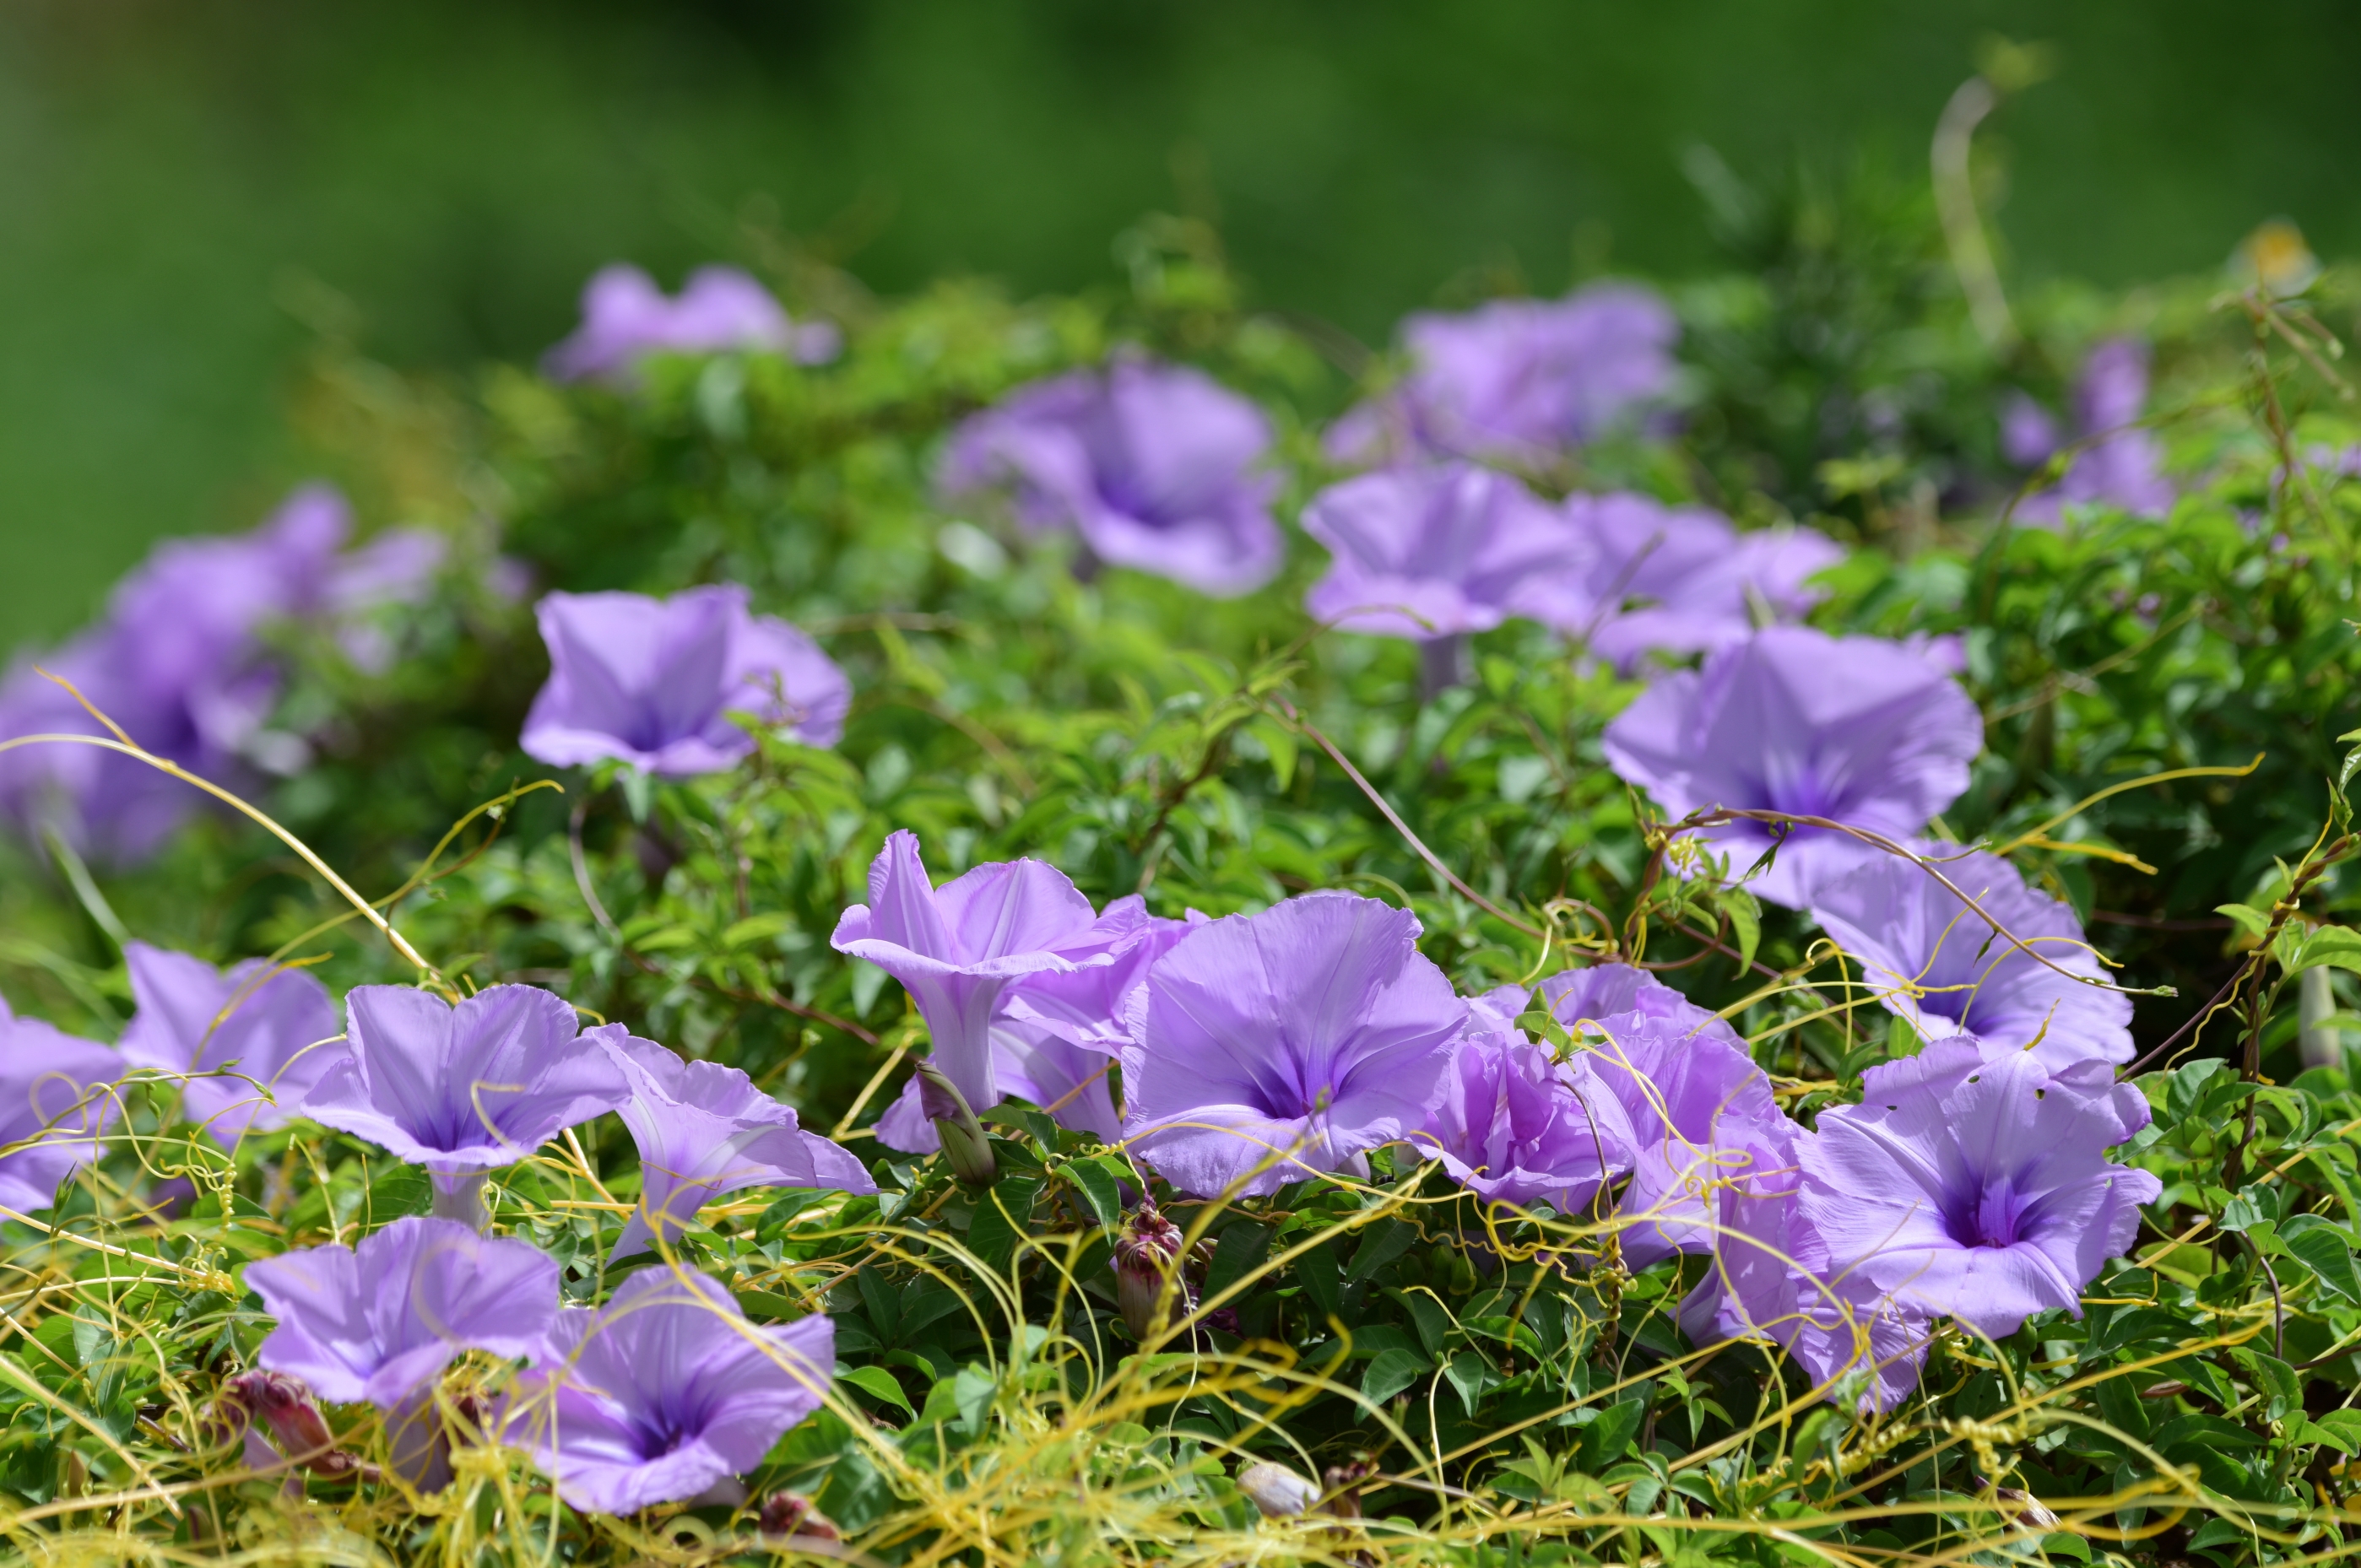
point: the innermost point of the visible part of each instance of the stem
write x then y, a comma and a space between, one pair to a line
1442, 663
1963, 228
461, 1198
2321, 1043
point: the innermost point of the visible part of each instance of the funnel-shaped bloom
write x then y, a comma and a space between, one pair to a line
1681, 580
1435, 551
704, 1130
1855, 730
625, 317
1973, 1181
1275, 1047
652, 682
665, 1391
55, 1100
2121, 467
270, 1036
1156, 467
1603, 991
1515, 1124
379, 1321
1521, 379
956, 948
1936, 963
467, 1089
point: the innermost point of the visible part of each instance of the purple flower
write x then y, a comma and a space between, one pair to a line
1936, 963
704, 1130
652, 682
1275, 1047
465, 1089
2122, 465
1517, 1125
1156, 467
1771, 1281
1973, 1181
1698, 1108
625, 317
665, 1391
1681, 580
381, 1322
957, 948
1604, 991
1521, 379
1855, 730
56, 1097
1436, 552
257, 1028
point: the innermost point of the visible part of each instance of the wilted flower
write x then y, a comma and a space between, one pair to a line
652, 682
1276, 1491
1973, 1181
787, 1515
1855, 730
1156, 467
1275, 1047
381, 1322
464, 1090
55, 1100
1680, 580
2122, 465
625, 317
1147, 1262
1936, 963
704, 1130
1521, 379
284, 1405
664, 1392
1515, 1124
957, 948
254, 1026
1435, 551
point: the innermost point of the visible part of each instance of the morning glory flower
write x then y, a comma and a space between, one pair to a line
704, 1130
625, 318
1856, 729
1517, 1125
1973, 1181
1518, 380
1271, 1047
2123, 468
1435, 551
270, 1038
1937, 963
55, 1099
957, 948
1681, 580
666, 1392
1156, 467
652, 682
379, 1323
464, 1090
1604, 991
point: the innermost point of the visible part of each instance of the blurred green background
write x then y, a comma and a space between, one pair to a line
175, 173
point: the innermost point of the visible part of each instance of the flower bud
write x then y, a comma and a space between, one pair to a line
788, 1514
1344, 1482
965, 1147
284, 1404
1279, 1492
1145, 1251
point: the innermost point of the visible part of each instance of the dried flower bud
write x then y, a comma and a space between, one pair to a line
1276, 1490
966, 1148
1344, 1482
2026, 1509
285, 1406
787, 1514
1145, 1252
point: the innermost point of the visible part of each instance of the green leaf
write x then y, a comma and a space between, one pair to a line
2323, 1249
1098, 1187
878, 1384
1380, 1244
1239, 1253
397, 1192
1391, 1372
1470, 1377
1002, 1214
2344, 1426
2072, 1546
2252, 921
1745, 923
2331, 946
1610, 1434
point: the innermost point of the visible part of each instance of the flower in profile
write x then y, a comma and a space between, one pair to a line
379, 1323
1973, 1181
266, 1034
2123, 465
958, 946
625, 318
704, 1130
464, 1090
664, 1392
652, 682
1604, 991
1271, 1047
1435, 551
55, 1099
1933, 960
1681, 580
1855, 730
1517, 1125
1520, 379
1155, 466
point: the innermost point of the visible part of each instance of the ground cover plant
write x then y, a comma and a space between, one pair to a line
1666, 925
